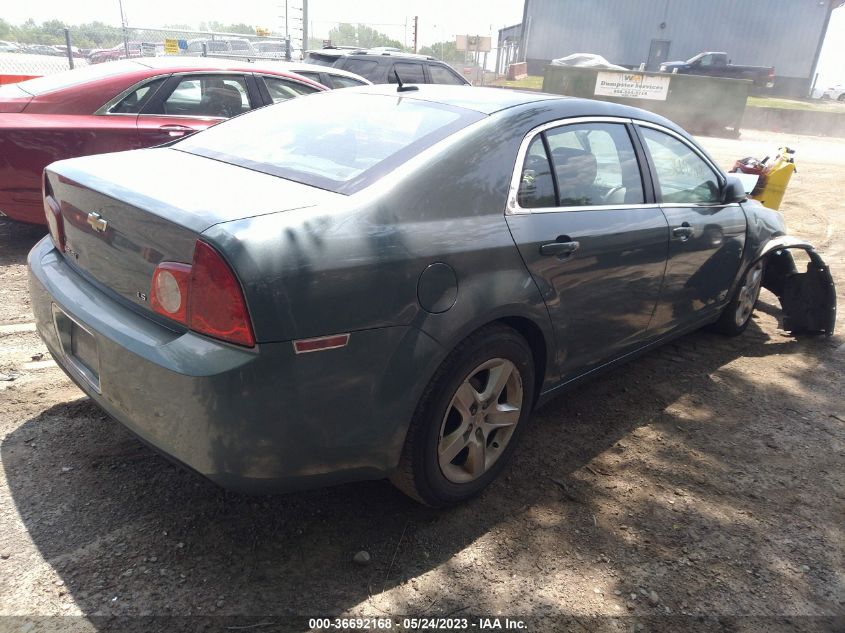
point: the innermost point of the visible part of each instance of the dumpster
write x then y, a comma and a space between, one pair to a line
710, 105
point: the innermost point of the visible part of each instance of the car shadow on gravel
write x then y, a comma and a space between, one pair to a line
131, 534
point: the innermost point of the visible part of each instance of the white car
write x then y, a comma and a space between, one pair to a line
836, 92
8, 47
329, 76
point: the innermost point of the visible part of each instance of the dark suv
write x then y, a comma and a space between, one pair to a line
378, 65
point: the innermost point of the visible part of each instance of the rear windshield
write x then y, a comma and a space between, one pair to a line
82, 75
337, 141
321, 60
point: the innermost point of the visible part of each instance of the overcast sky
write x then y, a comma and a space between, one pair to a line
439, 19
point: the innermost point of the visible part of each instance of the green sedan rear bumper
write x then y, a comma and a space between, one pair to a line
253, 420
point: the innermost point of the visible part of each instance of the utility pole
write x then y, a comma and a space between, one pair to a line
305, 46
287, 34
416, 30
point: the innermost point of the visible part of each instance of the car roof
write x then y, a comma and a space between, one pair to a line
296, 67
492, 100
484, 100
366, 52
177, 62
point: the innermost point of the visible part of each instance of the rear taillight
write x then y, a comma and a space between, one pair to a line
53, 213
217, 304
204, 296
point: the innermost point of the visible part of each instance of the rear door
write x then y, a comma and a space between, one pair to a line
409, 73
588, 229
190, 102
706, 237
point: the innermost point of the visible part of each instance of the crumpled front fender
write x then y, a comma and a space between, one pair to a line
808, 298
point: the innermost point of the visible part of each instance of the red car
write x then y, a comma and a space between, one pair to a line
121, 105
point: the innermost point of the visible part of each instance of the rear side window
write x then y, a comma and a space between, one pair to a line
338, 81
682, 175
207, 96
311, 76
282, 89
408, 73
589, 164
135, 100
341, 141
363, 67
442, 75
536, 185
595, 164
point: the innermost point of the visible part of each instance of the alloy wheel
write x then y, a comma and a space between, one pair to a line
480, 420
748, 293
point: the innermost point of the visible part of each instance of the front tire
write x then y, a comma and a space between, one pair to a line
469, 418
737, 314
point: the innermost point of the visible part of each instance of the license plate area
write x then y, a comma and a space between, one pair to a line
79, 347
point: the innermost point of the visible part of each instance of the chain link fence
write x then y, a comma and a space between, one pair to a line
16, 67
148, 42
37, 60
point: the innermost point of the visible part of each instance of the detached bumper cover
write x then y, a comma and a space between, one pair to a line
254, 420
808, 298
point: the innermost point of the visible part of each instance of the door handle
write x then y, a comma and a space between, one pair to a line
559, 248
176, 130
684, 232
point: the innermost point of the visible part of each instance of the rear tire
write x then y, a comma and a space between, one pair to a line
469, 418
737, 314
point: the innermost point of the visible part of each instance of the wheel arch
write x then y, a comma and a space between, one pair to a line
808, 298
533, 334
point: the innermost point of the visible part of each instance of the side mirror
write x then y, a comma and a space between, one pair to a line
733, 191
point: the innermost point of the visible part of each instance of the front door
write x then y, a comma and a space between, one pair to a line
658, 53
706, 237
595, 245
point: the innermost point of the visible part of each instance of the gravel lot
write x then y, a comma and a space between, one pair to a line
702, 481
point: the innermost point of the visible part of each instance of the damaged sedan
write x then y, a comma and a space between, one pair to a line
383, 282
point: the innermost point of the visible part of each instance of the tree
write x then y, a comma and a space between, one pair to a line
345, 34
445, 51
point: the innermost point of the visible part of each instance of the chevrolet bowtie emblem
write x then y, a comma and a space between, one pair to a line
96, 222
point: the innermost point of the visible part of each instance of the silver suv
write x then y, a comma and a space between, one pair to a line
381, 65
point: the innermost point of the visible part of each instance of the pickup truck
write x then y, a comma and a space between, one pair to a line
718, 65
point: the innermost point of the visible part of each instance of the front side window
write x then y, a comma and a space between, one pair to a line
595, 164
682, 175
341, 141
282, 90
221, 96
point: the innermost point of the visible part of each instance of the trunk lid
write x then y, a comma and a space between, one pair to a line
125, 213
13, 99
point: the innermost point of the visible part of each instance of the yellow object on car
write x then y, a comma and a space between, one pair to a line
773, 176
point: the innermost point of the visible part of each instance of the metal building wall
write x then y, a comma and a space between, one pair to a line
780, 33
